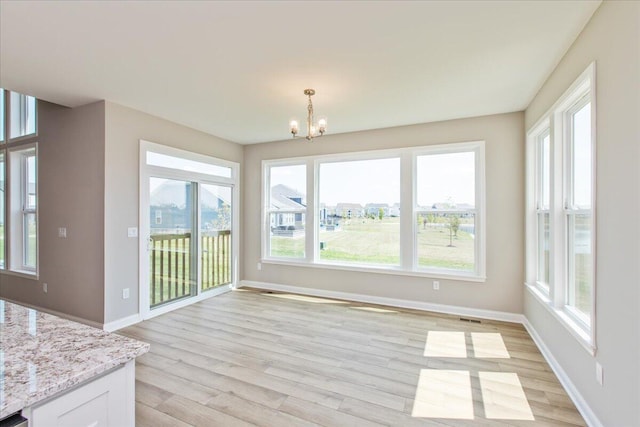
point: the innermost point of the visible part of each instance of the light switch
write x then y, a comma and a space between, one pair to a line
62, 232
132, 232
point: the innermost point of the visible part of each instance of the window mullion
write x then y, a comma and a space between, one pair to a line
408, 246
311, 225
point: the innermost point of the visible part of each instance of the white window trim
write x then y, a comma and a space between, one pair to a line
408, 210
554, 118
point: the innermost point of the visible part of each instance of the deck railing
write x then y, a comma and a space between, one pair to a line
172, 275
216, 258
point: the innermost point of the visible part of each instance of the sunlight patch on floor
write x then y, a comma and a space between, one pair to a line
443, 394
503, 397
445, 344
489, 345
306, 298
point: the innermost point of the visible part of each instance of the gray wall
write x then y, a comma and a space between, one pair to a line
70, 194
612, 39
124, 128
503, 290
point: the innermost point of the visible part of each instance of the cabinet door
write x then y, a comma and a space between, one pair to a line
104, 402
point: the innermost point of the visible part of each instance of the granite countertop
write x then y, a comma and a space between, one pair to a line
42, 354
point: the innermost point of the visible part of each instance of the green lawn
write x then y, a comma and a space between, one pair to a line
374, 241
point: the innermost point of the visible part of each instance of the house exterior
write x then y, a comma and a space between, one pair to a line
374, 209
349, 210
288, 201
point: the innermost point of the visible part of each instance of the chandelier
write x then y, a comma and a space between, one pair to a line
313, 129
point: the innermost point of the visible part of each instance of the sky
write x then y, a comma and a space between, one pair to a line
441, 178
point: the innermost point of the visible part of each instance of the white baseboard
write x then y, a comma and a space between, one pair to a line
57, 313
584, 409
392, 302
122, 323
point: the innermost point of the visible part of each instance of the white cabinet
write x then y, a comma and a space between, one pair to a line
107, 401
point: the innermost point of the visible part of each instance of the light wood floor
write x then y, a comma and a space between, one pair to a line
254, 358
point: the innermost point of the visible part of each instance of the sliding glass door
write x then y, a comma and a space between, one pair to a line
188, 247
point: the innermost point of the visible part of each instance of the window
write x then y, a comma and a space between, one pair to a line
175, 162
561, 216
380, 210
18, 183
358, 223
286, 211
22, 115
578, 215
542, 205
446, 211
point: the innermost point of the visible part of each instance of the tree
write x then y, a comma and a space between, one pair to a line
223, 218
454, 225
380, 213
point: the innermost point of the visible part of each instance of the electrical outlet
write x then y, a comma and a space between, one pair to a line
259, 266
45, 288
599, 373
436, 285
132, 232
125, 293
62, 232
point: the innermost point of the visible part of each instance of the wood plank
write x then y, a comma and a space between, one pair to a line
248, 357
150, 417
322, 415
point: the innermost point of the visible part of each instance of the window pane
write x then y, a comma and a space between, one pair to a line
359, 211
30, 240
287, 237
580, 264
446, 240
446, 181
166, 161
1, 115
23, 115
581, 152
287, 206
543, 248
545, 176
172, 259
215, 232
2, 222
31, 173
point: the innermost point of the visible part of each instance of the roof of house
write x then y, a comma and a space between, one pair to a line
282, 197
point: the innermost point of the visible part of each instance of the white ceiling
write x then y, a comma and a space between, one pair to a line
237, 69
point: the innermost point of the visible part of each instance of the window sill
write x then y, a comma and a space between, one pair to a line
583, 337
380, 270
32, 275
